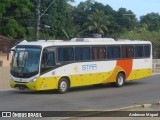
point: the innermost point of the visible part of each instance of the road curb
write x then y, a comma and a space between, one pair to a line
155, 74
125, 108
6, 90
146, 105
118, 109
99, 112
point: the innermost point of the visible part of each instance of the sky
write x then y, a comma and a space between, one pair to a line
138, 7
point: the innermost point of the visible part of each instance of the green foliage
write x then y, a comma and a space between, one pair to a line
15, 16
58, 17
153, 36
97, 22
17, 20
13, 29
126, 19
152, 21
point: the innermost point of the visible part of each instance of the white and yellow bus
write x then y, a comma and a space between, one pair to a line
46, 65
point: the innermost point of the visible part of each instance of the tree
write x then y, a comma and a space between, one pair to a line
58, 17
152, 21
16, 16
126, 19
80, 14
97, 22
13, 29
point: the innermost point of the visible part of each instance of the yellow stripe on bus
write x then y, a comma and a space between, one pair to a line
83, 79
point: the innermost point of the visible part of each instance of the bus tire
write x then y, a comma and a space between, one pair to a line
63, 85
120, 79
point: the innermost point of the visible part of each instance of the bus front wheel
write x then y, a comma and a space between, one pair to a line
63, 85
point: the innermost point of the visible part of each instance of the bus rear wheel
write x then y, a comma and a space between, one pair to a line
120, 79
63, 85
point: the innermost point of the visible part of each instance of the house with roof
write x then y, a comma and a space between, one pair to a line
5, 55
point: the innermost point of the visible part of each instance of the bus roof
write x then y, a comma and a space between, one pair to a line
83, 41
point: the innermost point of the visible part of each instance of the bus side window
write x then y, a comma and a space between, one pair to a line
65, 54
48, 61
113, 52
77, 54
98, 53
94, 53
82, 53
109, 53
124, 50
116, 52
102, 53
61, 54
130, 52
69, 54
127, 52
146, 51
138, 51
86, 53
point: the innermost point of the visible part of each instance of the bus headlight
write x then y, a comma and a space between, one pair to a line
33, 79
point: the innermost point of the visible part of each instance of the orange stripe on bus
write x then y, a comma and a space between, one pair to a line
126, 65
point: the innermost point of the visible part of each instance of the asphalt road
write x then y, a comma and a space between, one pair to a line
102, 97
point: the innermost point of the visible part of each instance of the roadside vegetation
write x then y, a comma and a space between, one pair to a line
65, 21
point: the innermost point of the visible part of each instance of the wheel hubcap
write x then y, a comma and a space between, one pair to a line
63, 86
120, 80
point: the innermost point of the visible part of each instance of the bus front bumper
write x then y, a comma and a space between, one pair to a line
22, 86
38, 84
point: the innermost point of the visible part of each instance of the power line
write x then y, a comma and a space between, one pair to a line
37, 27
47, 8
129, 15
39, 15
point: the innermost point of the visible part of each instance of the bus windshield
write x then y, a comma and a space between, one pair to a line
25, 62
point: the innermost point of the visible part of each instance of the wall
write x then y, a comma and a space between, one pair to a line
156, 65
4, 78
3, 57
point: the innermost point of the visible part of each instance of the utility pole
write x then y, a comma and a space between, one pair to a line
38, 18
129, 19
